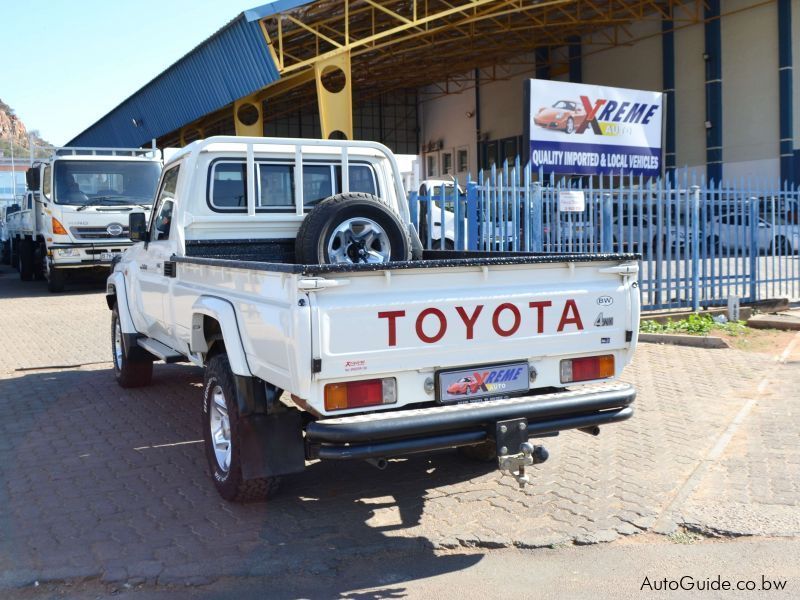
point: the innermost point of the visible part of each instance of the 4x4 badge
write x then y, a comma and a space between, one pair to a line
602, 321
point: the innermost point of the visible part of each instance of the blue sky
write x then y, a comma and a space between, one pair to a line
66, 63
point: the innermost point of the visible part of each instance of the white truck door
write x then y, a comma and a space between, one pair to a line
151, 287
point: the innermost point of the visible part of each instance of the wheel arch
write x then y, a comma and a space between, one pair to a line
115, 294
214, 319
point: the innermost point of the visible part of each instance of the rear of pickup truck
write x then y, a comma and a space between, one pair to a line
457, 353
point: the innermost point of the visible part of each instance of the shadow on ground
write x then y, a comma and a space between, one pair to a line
96, 481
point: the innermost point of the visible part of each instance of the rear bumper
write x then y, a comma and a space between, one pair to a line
382, 435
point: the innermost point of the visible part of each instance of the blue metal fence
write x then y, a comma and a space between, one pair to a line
701, 242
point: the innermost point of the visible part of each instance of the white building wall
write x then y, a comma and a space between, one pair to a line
446, 118
690, 97
637, 66
750, 91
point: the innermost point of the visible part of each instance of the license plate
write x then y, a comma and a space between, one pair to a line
107, 255
478, 383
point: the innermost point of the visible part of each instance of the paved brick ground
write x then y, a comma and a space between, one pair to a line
100, 481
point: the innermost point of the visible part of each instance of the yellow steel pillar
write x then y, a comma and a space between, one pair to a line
248, 117
335, 95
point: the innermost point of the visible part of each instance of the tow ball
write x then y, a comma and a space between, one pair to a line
514, 451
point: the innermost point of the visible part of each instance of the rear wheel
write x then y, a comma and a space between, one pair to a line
570, 126
135, 369
221, 427
779, 247
55, 280
26, 260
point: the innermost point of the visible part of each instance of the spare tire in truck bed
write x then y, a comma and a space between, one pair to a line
352, 228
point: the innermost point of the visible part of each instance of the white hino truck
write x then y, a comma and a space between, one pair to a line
75, 213
288, 269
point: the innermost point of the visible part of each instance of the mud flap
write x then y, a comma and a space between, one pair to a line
272, 445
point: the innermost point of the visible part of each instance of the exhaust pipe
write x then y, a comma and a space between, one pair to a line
378, 463
591, 430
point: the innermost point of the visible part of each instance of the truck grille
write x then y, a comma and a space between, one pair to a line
96, 233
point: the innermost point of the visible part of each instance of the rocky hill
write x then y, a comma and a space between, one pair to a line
13, 131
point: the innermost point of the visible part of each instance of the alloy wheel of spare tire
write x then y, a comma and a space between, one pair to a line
352, 228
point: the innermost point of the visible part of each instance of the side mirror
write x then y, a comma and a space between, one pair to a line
137, 227
32, 179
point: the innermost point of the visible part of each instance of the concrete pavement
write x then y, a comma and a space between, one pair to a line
100, 482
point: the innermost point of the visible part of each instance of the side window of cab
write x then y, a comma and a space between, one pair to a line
161, 222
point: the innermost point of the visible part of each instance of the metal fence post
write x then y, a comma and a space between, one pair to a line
607, 241
754, 252
472, 215
413, 208
695, 190
536, 218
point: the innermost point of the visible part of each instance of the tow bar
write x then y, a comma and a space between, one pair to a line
514, 451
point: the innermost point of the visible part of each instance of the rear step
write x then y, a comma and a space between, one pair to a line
159, 350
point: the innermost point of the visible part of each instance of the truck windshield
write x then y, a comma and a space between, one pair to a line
90, 182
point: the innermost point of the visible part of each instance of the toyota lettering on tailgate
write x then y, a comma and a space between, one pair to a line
431, 324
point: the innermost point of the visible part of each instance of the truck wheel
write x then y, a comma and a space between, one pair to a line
221, 436
55, 280
483, 452
134, 370
14, 255
352, 228
26, 260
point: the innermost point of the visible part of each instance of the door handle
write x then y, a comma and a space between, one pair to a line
143, 267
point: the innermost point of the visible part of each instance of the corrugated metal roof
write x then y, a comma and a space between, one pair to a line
231, 64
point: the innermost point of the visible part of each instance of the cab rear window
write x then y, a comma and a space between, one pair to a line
275, 182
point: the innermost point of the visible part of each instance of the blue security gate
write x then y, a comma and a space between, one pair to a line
700, 242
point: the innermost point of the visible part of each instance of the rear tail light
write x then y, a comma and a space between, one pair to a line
357, 394
587, 368
58, 228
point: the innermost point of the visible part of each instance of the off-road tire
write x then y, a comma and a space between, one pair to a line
230, 484
55, 280
26, 260
135, 369
311, 244
484, 452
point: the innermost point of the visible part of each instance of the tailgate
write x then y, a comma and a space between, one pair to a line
386, 322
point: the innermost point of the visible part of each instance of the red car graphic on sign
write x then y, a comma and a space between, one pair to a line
564, 115
465, 385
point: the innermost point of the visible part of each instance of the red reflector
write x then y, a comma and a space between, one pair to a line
364, 393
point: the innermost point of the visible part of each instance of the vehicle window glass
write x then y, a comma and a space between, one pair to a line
105, 182
163, 220
46, 182
228, 185
277, 186
162, 215
362, 179
317, 183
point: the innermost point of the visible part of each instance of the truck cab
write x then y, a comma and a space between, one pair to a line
82, 198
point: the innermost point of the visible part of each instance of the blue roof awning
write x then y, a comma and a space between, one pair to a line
233, 63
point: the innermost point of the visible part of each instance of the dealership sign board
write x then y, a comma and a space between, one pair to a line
591, 129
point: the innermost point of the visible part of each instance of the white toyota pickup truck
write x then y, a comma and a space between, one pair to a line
289, 271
